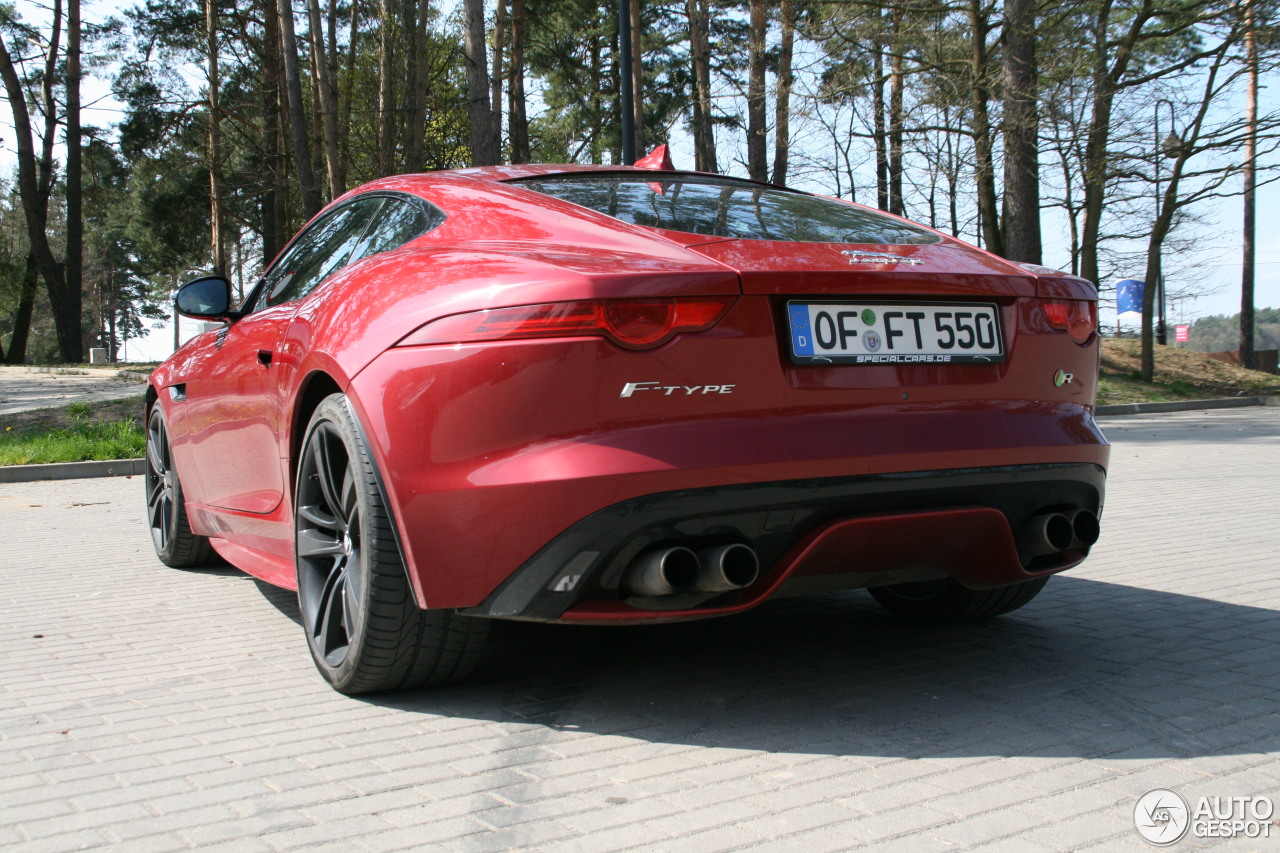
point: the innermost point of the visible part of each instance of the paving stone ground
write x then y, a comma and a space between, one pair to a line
23, 388
149, 709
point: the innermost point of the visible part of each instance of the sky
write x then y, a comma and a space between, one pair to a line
1213, 268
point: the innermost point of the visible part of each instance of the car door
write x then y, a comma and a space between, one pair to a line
236, 419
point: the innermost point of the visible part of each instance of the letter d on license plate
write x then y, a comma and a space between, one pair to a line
894, 333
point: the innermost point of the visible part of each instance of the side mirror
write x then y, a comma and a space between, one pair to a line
205, 298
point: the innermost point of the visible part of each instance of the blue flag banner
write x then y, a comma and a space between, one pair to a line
1129, 296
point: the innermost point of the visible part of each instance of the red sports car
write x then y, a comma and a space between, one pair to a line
622, 395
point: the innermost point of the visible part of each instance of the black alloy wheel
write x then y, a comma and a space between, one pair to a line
364, 628
946, 600
171, 534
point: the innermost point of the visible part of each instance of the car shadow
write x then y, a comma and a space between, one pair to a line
284, 600
1088, 669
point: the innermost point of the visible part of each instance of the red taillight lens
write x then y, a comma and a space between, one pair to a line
630, 323
1076, 317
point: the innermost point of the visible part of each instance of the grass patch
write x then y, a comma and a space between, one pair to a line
78, 432
1179, 375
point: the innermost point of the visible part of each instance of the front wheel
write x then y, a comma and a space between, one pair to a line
171, 533
364, 628
946, 600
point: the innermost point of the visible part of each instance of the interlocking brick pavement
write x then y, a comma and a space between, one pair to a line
145, 708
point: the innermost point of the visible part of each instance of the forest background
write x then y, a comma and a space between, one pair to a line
149, 142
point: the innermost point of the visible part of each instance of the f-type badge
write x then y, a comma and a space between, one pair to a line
856, 257
630, 388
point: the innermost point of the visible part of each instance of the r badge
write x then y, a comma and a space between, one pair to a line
1062, 378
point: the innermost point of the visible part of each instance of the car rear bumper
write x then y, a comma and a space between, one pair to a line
501, 473
810, 536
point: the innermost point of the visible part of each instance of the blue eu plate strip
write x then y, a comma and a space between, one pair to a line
801, 334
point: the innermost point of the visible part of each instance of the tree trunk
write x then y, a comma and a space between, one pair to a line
416, 116
782, 95
217, 239
386, 107
517, 119
1105, 73
1021, 135
496, 78
348, 88
757, 142
637, 76
327, 103
1159, 230
35, 182
22, 317
704, 140
70, 332
896, 86
273, 212
980, 96
297, 114
484, 141
877, 120
1250, 189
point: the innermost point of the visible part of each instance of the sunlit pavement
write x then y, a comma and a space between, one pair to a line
23, 388
144, 708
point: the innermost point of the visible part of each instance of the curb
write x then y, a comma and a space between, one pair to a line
72, 470
1186, 405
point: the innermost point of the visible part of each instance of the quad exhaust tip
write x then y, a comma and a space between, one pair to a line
1055, 532
662, 572
727, 567
680, 570
1085, 528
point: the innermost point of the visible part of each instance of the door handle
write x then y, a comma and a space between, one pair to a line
264, 356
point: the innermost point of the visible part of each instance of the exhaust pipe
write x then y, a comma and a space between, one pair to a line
1084, 529
727, 567
662, 572
1050, 533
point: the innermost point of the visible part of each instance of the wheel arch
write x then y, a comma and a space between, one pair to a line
314, 389
149, 402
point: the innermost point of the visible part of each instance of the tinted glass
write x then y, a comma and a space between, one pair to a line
728, 208
320, 251
397, 222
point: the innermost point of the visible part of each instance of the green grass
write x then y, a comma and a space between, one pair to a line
79, 442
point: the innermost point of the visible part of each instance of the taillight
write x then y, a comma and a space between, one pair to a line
636, 324
1076, 317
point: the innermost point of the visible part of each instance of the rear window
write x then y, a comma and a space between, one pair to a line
723, 207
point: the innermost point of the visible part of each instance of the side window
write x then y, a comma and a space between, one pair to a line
320, 251
396, 223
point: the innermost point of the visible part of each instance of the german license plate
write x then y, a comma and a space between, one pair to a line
894, 333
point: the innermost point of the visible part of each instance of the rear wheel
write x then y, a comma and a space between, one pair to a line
171, 533
364, 628
946, 600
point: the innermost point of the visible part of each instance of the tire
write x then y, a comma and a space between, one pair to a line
940, 601
363, 626
171, 534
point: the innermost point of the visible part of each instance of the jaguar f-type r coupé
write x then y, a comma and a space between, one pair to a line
622, 395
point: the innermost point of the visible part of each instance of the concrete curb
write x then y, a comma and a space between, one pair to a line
72, 470
1186, 405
